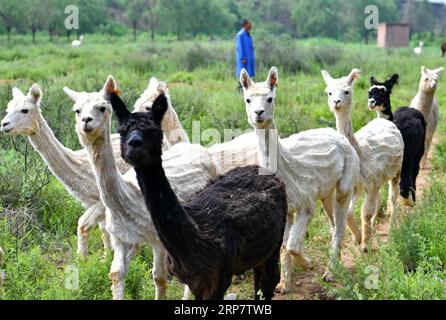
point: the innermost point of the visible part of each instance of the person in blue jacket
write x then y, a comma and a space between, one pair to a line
245, 50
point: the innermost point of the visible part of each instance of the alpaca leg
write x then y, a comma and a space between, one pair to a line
378, 209
295, 244
427, 146
225, 280
340, 219
286, 263
367, 212
267, 276
119, 267
393, 196
105, 236
328, 205
351, 220
86, 222
159, 271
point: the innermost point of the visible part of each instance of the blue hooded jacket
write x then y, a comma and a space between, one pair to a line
245, 50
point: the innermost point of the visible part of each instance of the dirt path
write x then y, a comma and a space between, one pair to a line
307, 284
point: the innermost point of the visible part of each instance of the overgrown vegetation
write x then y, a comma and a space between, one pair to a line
38, 218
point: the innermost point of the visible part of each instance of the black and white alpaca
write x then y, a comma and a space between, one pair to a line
233, 225
412, 126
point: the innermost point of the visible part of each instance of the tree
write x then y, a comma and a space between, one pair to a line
315, 18
134, 14
12, 13
35, 15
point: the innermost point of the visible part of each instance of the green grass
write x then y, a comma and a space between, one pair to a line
38, 218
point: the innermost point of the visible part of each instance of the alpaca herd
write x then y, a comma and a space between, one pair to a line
211, 213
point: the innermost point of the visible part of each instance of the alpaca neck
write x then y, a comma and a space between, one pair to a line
425, 102
273, 156
176, 229
114, 191
62, 162
172, 127
344, 126
269, 147
386, 113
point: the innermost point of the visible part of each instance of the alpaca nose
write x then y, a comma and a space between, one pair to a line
135, 142
4, 124
259, 112
372, 100
87, 119
336, 102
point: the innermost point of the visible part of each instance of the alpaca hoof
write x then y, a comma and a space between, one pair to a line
328, 276
405, 202
300, 260
282, 288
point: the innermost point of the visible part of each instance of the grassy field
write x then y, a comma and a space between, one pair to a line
38, 218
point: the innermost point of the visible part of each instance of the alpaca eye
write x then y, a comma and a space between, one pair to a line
78, 112
329, 93
248, 100
347, 92
148, 108
25, 111
102, 109
270, 100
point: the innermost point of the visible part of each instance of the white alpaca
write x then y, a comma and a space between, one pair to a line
419, 50
77, 43
315, 164
171, 125
426, 103
188, 167
379, 145
71, 168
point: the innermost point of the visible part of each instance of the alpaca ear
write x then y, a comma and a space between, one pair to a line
392, 81
110, 87
327, 77
354, 74
244, 79
159, 108
273, 78
438, 71
17, 94
35, 93
373, 80
153, 84
74, 95
119, 107
424, 70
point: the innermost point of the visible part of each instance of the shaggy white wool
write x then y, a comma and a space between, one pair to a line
427, 104
379, 145
315, 164
188, 167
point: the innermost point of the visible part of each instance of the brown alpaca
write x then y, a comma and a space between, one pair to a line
443, 49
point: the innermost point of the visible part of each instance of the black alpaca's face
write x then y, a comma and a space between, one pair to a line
378, 96
141, 134
379, 93
141, 140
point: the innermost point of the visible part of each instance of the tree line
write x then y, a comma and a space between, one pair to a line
339, 19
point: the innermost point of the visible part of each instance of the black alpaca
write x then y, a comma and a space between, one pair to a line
235, 224
412, 126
